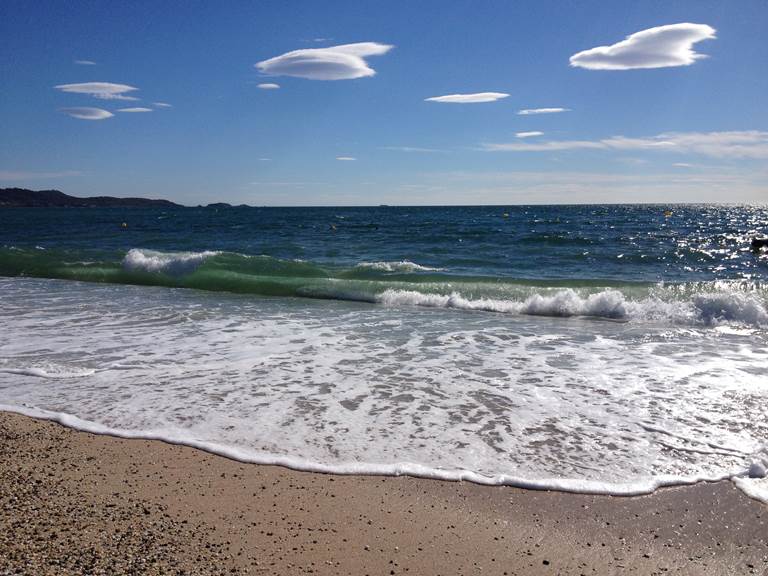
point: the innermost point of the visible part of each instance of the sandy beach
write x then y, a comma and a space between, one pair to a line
78, 503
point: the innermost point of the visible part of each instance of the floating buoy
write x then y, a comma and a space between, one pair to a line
505, 215
124, 225
667, 213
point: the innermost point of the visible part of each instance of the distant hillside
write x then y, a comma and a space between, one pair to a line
23, 198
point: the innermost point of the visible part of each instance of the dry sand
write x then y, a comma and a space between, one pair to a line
78, 503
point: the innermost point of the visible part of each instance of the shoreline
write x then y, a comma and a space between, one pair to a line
400, 470
82, 503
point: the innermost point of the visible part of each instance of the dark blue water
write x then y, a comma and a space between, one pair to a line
625, 243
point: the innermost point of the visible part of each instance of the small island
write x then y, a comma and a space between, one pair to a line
23, 198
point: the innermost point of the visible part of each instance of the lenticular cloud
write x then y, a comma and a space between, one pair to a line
659, 47
101, 90
343, 62
87, 113
476, 98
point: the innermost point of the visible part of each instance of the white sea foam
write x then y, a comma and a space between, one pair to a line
49, 371
606, 304
755, 481
401, 266
704, 309
731, 307
172, 263
332, 386
630, 488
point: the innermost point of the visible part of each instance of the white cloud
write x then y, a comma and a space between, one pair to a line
734, 144
529, 111
87, 113
7, 175
659, 47
410, 149
85, 62
345, 158
468, 98
342, 62
102, 90
138, 109
268, 86
551, 146
161, 105
529, 134
682, 165
631, 161
265, 159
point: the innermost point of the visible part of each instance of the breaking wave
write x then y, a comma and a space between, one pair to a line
401, 266
406, 283
706, 309
173, 263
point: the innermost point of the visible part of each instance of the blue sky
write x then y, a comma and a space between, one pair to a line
676, 113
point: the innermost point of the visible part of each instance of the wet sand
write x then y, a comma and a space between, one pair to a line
78, 503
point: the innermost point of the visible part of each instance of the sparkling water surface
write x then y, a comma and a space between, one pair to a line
603, 349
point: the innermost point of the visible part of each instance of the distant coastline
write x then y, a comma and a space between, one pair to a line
24, 198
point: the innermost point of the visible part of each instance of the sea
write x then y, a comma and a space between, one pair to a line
609, 349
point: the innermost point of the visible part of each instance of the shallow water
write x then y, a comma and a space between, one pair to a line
599, 377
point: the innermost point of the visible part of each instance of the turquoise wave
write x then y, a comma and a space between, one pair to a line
400, 283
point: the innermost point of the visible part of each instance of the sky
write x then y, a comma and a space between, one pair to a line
398, 102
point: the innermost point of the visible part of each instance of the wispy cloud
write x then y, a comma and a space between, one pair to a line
475, 98
161, 105
552, 187
530, 134
734, 144
343, 62
137, 109
345, 158
268, 86
87, 113
550, 146
265, 159
410, 149
102, 90
85, 62
297, 184
529, 111
660, 47
11, 175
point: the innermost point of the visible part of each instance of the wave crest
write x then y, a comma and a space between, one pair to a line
171, 263
702, 309
400, 266
731, 307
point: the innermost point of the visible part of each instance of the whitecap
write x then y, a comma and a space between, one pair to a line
172, 263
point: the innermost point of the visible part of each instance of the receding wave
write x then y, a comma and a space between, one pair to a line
405, 283
638, 487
